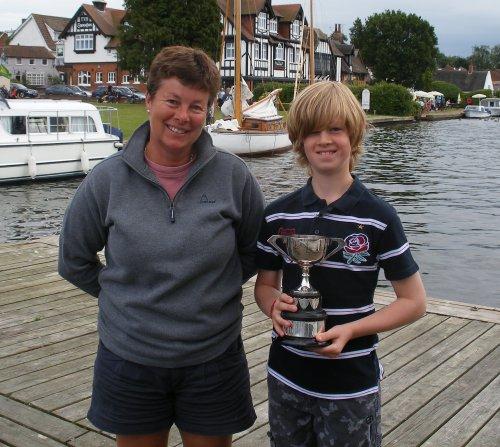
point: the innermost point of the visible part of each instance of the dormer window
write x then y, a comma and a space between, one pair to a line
296, 28
273, 26
262, 21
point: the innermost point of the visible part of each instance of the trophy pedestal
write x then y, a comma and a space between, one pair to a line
305, 325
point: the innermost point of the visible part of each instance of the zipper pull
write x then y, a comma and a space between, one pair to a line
172, 214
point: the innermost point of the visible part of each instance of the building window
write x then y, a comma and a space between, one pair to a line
112, 77
291, 55
273, 26
257, 51
19, 61
84, 78
229, 50
84, 42
98, 77
44, 61
126, 79
280, 54
32, 61
136, 80
35, 78
265, 51
262, 21
295, 28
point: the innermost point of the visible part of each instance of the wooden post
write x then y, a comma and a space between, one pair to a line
237, 62
311, 44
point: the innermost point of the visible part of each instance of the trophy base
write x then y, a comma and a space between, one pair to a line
303, 343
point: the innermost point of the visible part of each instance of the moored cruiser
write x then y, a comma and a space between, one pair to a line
52, 138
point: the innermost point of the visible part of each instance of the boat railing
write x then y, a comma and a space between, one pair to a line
108, 124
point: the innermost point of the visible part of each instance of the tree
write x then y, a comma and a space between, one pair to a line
495, 56
150, 25
480, 57
398, 47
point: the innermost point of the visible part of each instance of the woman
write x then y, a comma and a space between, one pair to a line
178, 219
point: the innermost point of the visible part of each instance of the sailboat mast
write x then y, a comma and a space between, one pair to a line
311, 44
237, 62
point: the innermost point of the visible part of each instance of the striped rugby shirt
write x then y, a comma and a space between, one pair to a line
374, 239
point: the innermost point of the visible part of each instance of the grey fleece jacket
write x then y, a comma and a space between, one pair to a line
170, 292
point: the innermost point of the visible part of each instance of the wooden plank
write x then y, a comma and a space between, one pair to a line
48, 339
45, 375
54, 386
38, 279
418, 346
469, 420
49, 289
39, 421
409, 333
18, 436
34, 302
489, 435
35, 356
258, 437
75, 411
402, 406
434, 414
47, 362
65, 397
425, 363
50, 265
92, 439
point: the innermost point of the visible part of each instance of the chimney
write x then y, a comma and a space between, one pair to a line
337, 34
100, 5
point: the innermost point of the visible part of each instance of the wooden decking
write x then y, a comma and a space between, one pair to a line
441, 385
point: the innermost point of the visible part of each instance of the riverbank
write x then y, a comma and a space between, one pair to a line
438, 115
438, 372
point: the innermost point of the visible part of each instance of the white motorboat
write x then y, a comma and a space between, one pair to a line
491, 104
53, 138
476, 112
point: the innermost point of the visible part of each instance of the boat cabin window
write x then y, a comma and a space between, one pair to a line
82, 124
15, 125
37, 124
59, 124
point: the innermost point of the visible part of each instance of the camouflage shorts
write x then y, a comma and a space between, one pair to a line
299, 420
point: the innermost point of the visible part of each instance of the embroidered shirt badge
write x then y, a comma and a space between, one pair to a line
356, 248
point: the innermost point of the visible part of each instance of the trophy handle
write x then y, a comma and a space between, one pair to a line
340, 246
272, 240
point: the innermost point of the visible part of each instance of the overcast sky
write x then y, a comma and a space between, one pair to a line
459, 24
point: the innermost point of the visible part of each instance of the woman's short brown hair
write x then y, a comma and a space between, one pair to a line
316, 107
193, 67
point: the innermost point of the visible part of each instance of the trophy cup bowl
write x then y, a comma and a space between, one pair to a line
305, 250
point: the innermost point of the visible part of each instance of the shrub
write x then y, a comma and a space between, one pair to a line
357, 90
262, 89
391, 99
450, 91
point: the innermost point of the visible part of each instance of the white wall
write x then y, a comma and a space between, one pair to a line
100, 55
29, 35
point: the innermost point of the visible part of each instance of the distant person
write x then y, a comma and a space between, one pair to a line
220, 97
330, 396
179, 221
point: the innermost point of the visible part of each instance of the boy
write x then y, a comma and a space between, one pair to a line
330, 396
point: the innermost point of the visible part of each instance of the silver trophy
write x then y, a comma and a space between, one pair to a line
305, 250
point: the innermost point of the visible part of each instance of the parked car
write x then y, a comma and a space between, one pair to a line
118, 93
141, 96
64, 90
21, 91
82, 90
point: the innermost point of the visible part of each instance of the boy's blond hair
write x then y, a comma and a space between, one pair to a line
316, 107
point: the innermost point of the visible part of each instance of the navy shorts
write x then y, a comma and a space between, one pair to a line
212, 398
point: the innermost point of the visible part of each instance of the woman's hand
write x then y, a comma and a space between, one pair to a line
283, 303
339, 336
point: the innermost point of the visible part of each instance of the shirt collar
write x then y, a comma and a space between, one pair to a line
344, 204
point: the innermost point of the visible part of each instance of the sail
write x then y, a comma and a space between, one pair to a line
227, 108
264, 108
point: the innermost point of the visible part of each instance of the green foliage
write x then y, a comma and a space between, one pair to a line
480, 57
398, 47
450, 91
150, 25
426, 81
391, 99
53, 80
4, 72
453, 61
495, 56
357, 90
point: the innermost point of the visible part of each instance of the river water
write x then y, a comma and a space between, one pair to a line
442, 177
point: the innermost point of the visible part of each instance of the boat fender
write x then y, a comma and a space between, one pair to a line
32, 166
85, 161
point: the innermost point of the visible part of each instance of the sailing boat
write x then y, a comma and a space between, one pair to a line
256, 130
